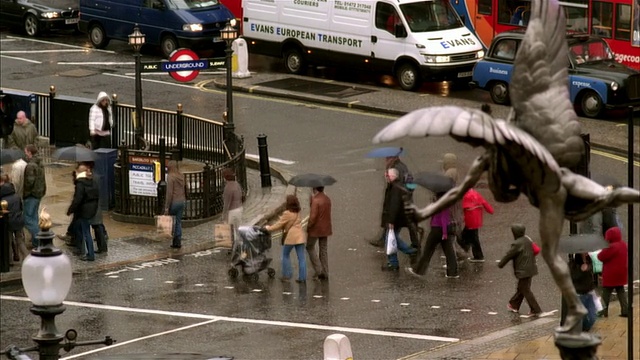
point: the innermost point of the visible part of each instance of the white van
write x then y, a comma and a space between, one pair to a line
416, 40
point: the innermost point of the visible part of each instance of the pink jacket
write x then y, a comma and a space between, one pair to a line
473, 205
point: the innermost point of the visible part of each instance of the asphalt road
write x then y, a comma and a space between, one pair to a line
192, 306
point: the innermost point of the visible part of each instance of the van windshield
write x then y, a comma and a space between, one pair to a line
191, 4
430, 16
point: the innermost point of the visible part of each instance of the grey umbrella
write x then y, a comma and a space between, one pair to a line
7, 156
312, 180
437, 183
76, 153
577, 244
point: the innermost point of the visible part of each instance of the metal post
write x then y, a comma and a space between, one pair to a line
206, 189
180, 130
124, 166
4, 230
52, 120
115, 136
263, 153
630, 242
162, 184
139, 126
229, 51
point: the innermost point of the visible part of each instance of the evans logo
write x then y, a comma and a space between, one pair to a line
498, 71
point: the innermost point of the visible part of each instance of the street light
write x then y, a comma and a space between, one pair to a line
229, 34
136, 40
46, 277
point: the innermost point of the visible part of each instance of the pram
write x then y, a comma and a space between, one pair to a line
248, 253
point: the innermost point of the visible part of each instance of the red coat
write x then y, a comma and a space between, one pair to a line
320, 216
614, 259
473, 205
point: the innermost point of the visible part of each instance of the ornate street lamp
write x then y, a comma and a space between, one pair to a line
136, 40
229, 34
46, 277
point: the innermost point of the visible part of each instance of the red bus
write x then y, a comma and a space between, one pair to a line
616, 21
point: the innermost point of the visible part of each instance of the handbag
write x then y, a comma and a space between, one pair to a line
391, 243
164, 225
597, 301
535, 247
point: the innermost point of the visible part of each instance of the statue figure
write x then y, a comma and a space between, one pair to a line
530, 152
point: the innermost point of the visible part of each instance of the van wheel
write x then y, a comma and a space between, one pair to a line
591, 104
168, 45
408, 77
499, 93
294, 62
97, 36
31, 26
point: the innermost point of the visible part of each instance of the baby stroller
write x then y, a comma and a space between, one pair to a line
249, 252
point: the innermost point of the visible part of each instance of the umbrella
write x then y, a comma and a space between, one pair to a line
7, 156
312, 180
577, 244
605, 180
437, 183
74, 153
385, 152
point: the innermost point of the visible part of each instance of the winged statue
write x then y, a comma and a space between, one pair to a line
530, 152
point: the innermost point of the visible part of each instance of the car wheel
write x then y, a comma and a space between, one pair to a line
591, 104
31, 26
408, 77
500, 93
168, 45
293, 61
97, 36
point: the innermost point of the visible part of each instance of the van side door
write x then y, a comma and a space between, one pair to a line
387, 36
349, 39
156, 16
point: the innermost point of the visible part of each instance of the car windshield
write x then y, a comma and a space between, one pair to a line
191, 4
58, 4
430, 16
590, 51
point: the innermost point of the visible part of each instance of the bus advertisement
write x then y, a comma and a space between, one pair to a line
615, 21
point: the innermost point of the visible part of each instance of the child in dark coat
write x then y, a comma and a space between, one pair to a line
614, 270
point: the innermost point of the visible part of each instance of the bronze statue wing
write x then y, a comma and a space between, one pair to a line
471, 126
539, 85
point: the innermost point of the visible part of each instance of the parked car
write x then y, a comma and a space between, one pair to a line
596, 80
37, 16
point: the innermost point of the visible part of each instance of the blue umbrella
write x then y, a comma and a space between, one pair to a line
385, 152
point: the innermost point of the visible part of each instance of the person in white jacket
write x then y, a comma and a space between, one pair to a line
100, 122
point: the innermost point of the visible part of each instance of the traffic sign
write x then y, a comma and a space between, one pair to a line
190, 59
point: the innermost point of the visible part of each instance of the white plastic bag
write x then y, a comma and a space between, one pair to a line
392, 244
597, 301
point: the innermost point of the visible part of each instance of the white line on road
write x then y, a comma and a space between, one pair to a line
21, 59
276, 160
154, 81
249, 321
96, 63
60, 44
139, 339
42, 51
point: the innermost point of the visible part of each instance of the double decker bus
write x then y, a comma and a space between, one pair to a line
615, 21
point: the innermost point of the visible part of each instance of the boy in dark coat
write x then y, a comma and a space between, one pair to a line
394, 217
524, 268
84, 207
614, 270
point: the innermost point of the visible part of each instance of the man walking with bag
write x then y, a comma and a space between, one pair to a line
394, 218
34, 189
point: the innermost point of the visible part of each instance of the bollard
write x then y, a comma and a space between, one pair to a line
337, 347
240, 60
265, 171
162, 184
6, 239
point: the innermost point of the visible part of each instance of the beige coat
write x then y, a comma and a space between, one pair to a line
293, 222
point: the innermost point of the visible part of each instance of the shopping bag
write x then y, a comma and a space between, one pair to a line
597, 264
164, 225
391, 243
597, 301
223, 235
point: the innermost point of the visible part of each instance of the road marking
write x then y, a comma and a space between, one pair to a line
153, 81
60, 44
21, 59
139, 339
245, 320
95, 63
614, 157
42, 51
272, 159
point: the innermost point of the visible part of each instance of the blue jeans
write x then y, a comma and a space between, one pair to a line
287, 271
85, 230
176, 210
31, 205
392, 260
589, 319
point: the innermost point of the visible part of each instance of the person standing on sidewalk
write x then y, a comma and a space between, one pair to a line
231, 199
614, 271
100, 122
34, 189
318, 230
393, 216
16, 219
524, 269
24, 132
474, 206
293, 237
84, 207
175, 201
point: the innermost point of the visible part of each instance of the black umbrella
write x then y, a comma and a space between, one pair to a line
76, 153
312, 180
605, 180
7, 156
577, 244
437, 183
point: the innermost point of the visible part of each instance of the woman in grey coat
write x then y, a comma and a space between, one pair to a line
524, 268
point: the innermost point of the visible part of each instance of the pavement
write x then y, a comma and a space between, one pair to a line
135, 243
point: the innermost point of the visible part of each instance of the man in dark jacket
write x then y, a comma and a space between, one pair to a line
84, 207
394, 217
524, 268
34, 189
16, 218
318, 230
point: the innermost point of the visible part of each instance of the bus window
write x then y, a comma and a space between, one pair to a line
484, 7
576, 19
513, 12
602, 18
623, 22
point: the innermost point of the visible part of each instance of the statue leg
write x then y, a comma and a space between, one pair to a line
551, 221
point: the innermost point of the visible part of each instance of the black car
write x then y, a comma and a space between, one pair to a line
36, 16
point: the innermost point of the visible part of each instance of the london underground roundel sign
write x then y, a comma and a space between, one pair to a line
184, 65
